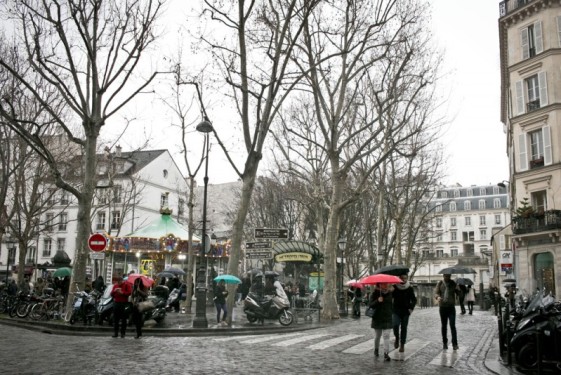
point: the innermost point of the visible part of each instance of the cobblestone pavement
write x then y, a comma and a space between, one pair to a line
344, 348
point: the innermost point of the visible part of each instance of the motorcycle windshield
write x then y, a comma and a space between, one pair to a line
535, 304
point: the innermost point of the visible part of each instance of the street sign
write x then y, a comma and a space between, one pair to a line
259, 255
97, 256
97, 242
276, 233
257, 245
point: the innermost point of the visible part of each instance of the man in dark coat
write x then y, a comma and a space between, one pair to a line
404, 302
445, 293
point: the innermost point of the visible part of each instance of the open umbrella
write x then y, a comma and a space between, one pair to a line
228, 279
355, 284
254, 272
271, 274
380, 278
456, 270
508, 280
146, 281
393, 269
62, 272
464, 281
175, 271
167, 275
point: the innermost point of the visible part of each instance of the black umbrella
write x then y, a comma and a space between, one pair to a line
175, 271
457, 270
509, 281
255, 272
464, 281
393, 269
271, 274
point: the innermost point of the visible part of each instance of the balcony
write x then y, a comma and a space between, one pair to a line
509, 6
535, 163
537, 222
533, 105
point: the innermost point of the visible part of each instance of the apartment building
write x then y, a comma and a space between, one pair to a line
530, 56
464, 221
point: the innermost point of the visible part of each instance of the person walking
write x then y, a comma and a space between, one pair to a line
381, 301
404, 301
462, 297
120, 292
356, 300
98, 284
470, 298
220, 294
139, 294
445, 293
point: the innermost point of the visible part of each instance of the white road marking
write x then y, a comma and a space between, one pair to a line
335, 341
299, 340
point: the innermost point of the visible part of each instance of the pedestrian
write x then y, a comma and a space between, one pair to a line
12, 288
445, 293
39, 286
470, 298
120, 292
99, 284
65, 287
462, 297
220, 294
356, 300
404, 301
139, 294
381, 301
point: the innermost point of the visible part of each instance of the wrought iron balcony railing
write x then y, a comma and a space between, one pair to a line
508, 6
537, 222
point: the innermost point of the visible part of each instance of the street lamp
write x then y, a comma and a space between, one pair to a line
200, 321
341, 261
11, 246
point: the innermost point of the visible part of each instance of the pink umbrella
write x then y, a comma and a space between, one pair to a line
146, 281
380, 278
355, 284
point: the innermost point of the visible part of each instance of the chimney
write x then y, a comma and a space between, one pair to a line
118, 151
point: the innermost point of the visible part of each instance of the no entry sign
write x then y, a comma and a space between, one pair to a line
97, 242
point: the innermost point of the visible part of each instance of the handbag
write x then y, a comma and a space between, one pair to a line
370, 312
144, 306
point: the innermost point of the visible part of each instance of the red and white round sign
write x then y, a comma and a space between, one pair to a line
97, 242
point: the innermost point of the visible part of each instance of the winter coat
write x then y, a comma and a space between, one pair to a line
403, 299
448, 292
220, 294
382, 318
121, 292
470, 295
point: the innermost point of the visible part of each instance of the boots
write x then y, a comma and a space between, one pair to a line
387, 357
401, 348
376, 352
396, 343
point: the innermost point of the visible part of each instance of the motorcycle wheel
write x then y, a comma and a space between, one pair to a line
527, 356
251, 319
286, 318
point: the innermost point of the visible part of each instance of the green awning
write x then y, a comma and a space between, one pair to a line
164, 226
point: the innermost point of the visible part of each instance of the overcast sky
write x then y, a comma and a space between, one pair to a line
466, 31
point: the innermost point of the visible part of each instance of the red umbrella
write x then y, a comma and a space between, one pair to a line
380, 278
355, 284
146, 281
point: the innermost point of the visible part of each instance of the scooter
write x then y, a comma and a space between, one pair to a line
158, 312
537, 339
271, 307
84, 307
173, 300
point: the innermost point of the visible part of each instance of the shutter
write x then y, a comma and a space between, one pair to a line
519, 98
542, 81
559, 29
502, 242
522, 154
546, 133
525, 44
538, 37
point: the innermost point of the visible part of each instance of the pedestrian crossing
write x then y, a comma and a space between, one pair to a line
353, 344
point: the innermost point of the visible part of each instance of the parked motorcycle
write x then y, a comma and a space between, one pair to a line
105, 307
84, 307
270, 307
538, 331
158, 312
173, 300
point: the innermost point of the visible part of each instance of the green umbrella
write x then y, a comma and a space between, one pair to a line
63, 271
228, 279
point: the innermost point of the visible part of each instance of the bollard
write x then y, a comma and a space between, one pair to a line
508, 351
539, 351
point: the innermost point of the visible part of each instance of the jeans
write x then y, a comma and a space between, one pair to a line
220, 307
448, 313
402, 321
385, 333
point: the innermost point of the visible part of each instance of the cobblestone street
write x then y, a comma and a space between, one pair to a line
342, 348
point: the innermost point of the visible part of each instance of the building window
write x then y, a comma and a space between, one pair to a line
439, 222
539, 201
482, 204
49, 222
453, 235
164, 201
115, 219
482, 191
483, 234
453, 252
467, 221
495, 190
439, 236
438, 207
535, 148
467, 205
452, 221
181, 207
117, 194
100, 224
531, 93
31, 254
531, 40
452, 206
444, 194
64, 197
165, 173
497, 219
482, 220
47, 247
102, 196
62, 221
469, 192
497, 203
60, 244
468, 236
456, 193
439, 253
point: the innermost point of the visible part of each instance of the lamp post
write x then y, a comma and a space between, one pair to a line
341, 261
10, 245
200, 321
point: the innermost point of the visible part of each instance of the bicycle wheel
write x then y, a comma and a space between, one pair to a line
23, 310
13, 310
37, 311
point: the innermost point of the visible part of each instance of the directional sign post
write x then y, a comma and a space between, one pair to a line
97, 242
257, 245
259, 255
274, 233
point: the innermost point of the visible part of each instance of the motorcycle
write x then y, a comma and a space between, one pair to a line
84, 307
271, 307
173, 300
158, 312
105, 307
538, 331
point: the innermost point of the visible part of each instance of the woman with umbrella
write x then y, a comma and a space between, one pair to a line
381, 300
220, 294
139, 294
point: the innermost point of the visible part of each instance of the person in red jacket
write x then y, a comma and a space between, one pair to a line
120, 293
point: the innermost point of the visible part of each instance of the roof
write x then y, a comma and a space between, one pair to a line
163, 226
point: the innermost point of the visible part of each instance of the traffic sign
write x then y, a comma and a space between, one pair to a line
271, 233
259, 255
97, 256
97, 242
258, 245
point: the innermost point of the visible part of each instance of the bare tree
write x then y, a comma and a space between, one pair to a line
88, 53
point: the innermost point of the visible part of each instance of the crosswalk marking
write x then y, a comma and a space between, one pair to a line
447, 358
335, 341
361, 348
231, 338
411, 347
269, 338
299, 340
